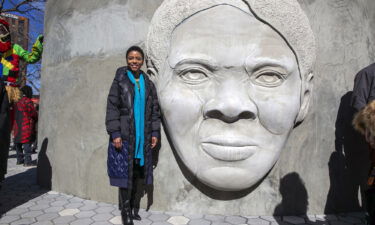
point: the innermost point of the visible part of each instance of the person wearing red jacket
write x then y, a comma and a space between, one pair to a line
25, 118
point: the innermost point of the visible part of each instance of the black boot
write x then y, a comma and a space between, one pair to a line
124, 203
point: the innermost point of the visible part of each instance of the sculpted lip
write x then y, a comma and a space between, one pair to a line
228, 148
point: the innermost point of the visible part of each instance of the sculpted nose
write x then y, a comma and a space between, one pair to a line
231, 104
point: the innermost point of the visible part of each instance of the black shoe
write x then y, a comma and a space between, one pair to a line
19, 162
136, 216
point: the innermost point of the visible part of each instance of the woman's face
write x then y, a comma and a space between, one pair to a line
134, 60
230, 94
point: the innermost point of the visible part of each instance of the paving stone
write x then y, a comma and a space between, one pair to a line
257, 221
40, 207
85, 221
102, 217
87, 207
17, 211
59, 203
215, 218
47, 216
69, 212
199, 222
31, 214
194, 216
76, 200
73, 205
9, 219
349, 219
103, 204
235, 219
293, 219
54, 209
220, 223
102, 223
105, 209
43, 223
24, 221
85, 214
158, 217
161, 223
178, 220
156, 212
86, 201
116, 220
64, 220
142, 222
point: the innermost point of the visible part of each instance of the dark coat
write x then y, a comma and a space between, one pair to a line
4, 130
364, 88
120, 123
26, 116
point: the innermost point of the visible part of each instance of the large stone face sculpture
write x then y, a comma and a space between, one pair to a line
233, 78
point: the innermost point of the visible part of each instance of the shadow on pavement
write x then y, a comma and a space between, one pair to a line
19, 189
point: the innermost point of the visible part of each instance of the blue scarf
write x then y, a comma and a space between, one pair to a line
139, 116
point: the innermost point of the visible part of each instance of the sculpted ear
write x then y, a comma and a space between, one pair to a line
152, 74
152, 71
305, 98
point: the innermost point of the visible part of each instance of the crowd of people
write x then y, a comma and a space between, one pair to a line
18, 115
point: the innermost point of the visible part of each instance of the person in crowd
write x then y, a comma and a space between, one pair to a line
133, 123
364, 121
4, 131
25, 118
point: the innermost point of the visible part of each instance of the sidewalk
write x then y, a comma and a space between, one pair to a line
23, 202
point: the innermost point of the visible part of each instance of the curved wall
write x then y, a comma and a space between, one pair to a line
320, 169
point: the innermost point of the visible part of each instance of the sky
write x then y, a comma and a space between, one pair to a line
36, 20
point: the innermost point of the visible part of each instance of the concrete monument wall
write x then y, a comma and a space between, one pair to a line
320, 170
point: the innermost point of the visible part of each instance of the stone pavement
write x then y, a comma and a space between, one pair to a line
23, 202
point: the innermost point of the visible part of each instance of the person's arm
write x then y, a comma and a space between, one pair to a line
112, 120
155, 117
34, 55
360, 91
32, 111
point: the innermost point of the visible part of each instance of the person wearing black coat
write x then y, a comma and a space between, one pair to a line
4, 131
133, 123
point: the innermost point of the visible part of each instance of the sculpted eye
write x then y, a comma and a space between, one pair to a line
193, 76
268, 79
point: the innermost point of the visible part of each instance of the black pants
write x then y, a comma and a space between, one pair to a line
133, 194
21, 157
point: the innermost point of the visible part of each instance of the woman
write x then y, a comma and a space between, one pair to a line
25, 117
133, 123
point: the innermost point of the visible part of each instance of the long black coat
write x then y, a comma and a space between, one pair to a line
4, 130
120, 123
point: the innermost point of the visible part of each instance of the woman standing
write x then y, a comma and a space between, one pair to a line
133, 123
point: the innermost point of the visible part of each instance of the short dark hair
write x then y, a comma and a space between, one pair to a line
137, 49
27, 91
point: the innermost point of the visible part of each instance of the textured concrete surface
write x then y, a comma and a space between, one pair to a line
22, 201
320, 170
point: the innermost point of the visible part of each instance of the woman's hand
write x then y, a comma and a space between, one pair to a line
117, 142
154, 141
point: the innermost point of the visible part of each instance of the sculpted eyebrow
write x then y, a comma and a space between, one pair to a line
208, 64
264, 62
